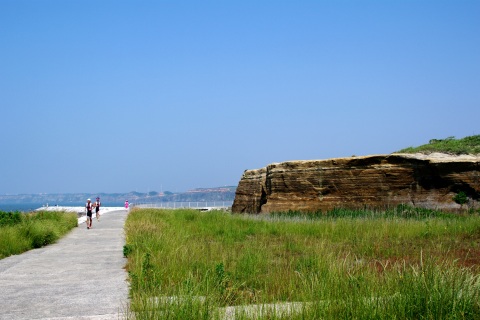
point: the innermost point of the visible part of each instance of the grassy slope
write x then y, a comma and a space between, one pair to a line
21, 232
467, 145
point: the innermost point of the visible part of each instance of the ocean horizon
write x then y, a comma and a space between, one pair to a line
32, 206
28, 207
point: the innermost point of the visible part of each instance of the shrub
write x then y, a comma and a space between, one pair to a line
467, 145
127, 249
21, 232
460, 198
10, 218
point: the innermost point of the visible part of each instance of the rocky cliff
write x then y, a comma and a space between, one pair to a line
376, 181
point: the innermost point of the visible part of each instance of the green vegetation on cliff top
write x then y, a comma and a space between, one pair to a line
450, 145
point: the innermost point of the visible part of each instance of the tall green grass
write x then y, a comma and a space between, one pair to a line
188, 264
21, 232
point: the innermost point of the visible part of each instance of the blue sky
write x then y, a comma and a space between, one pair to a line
118, 96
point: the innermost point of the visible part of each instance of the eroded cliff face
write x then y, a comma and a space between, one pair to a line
377, 181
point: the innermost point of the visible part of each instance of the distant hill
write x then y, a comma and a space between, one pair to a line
226, 193
450, 145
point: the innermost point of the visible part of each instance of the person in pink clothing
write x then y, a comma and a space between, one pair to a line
126, 204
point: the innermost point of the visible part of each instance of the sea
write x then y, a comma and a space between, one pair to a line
29, 207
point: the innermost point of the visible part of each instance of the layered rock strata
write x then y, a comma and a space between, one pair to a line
377, 181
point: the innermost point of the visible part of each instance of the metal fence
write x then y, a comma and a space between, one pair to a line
199, 205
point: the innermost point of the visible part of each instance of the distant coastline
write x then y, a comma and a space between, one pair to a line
28, 207
30, 202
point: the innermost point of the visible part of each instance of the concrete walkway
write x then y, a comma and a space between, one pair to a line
79, 277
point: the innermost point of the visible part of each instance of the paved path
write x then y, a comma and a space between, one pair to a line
79, 277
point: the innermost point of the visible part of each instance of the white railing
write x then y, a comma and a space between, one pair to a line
199, 205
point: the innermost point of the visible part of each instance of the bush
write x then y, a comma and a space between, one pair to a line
467, 145
21, 232
127, 249
40, 234
460, 198
10, 218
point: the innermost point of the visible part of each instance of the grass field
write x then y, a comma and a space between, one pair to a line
402, 264
20, 232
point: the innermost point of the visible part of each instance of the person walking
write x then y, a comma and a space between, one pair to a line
88, 210
97, 208
126, 204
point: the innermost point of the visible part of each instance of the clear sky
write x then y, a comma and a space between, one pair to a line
118, 96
